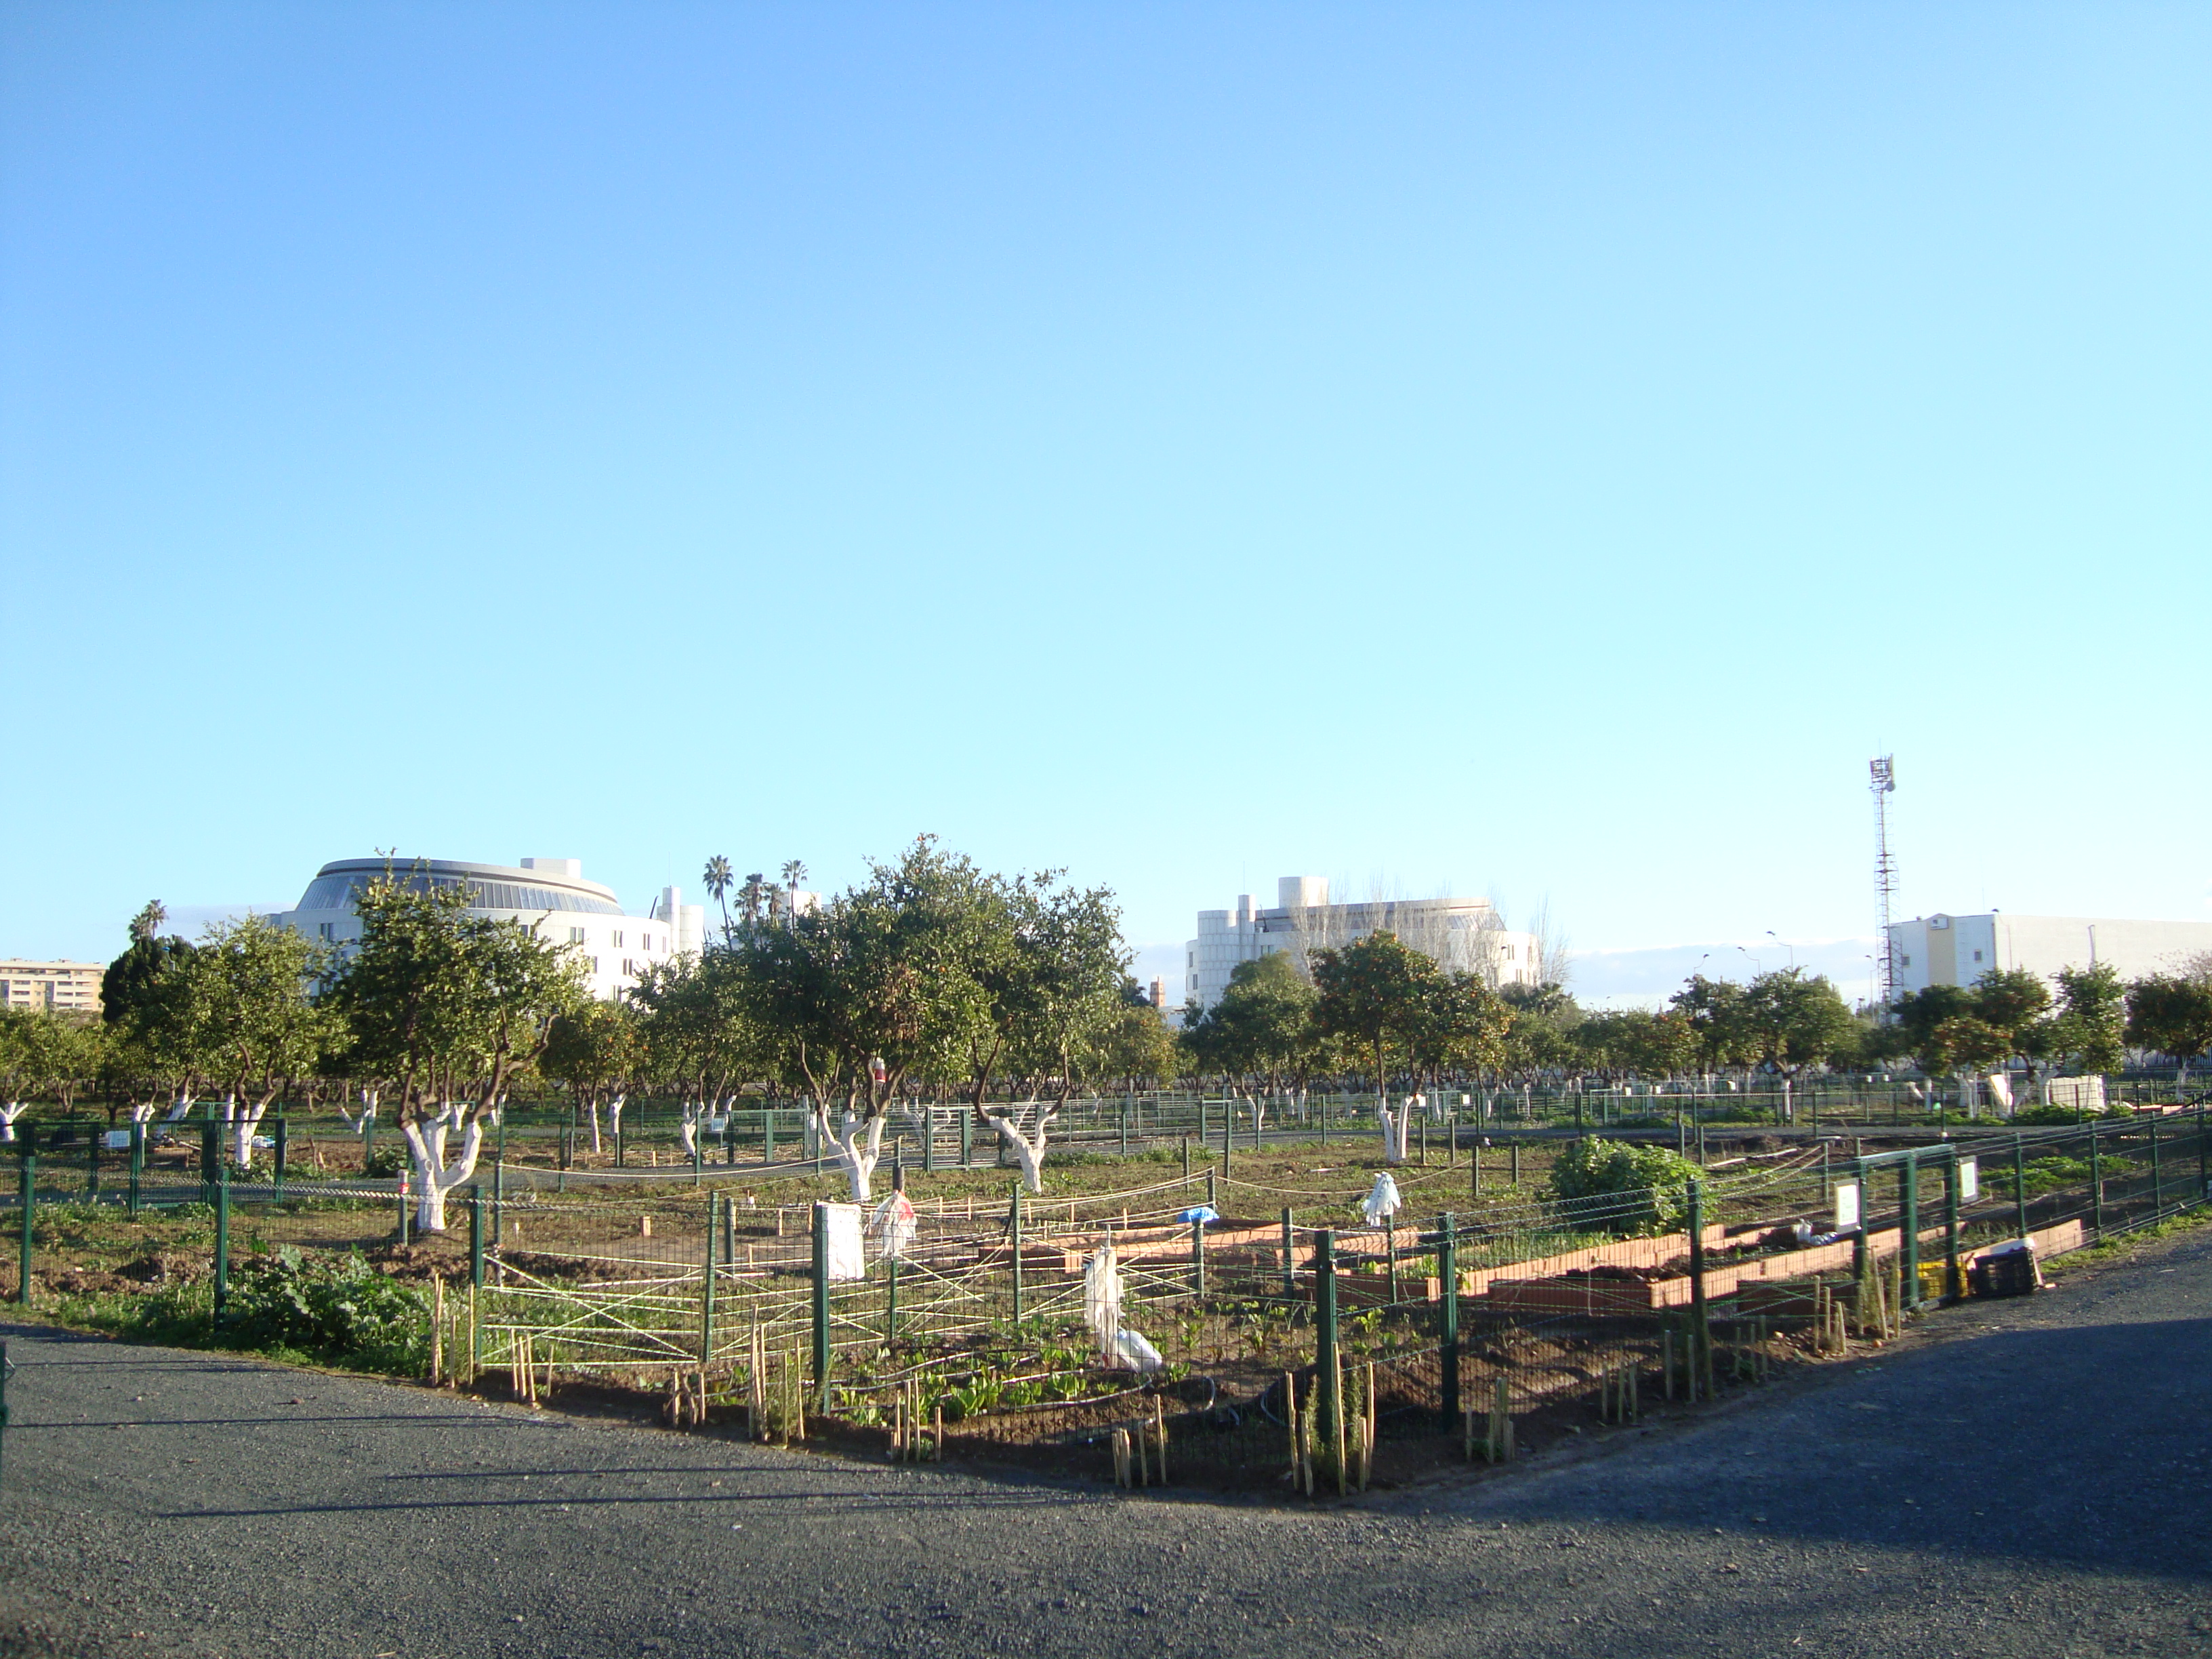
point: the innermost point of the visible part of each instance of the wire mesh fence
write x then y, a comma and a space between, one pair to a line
1287, 1350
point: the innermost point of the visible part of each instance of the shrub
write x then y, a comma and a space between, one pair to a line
1623, 1187
338, 1309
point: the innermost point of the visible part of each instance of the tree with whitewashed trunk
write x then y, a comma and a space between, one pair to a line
1021, 1130
596, 1048
877, 985
246, 1011
1370, 992
447, 1007
695, 1035
1052, 969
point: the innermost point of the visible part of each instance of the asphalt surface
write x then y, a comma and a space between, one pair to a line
2026, 1477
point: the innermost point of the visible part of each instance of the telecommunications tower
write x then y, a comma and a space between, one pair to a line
1883, 775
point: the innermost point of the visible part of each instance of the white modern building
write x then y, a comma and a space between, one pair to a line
1461, 934
548, 895
1948, 950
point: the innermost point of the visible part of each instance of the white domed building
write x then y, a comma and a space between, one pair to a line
548, 895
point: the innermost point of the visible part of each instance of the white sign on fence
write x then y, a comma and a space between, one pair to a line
1970, 1179
118, 1140
1847, 1205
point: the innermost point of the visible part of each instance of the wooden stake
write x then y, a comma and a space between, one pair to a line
437, 1331
1291, 1417
936, 1429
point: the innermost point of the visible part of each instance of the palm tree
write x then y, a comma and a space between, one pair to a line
749, 894
718, 887
147, 922
794, 873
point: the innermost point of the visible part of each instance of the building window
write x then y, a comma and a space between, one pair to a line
1905, 961
324, 929
576, 936
595, 964
619, 941
1978, 956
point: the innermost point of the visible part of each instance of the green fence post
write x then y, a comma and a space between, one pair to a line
1290, 1255
2096, 1186
1448, 1349
767, 1133
367, 1143
29, 1178
1325, 1336
222, 1241
1228, 1132
1474, 1166
498, 1201
1860, 1251
2157, 1186
476, 1237
1908, 1229
1212, 1189
1014, 1229
618, 1144
283, 1150
967, 1139
1701, 1331
1204, 1122
2203, 1158
406, 1185
822, 1308
1516, 1163
2018, 1184
3, 1392
210, 1159
91, 1163
1198, 1259
698, 1149
928, 1139
706, 1298
1953, 1286
138, 1161
1125, 1127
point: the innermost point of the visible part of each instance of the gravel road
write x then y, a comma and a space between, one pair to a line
2022, 1478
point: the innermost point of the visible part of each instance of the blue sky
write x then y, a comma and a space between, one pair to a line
1536, 450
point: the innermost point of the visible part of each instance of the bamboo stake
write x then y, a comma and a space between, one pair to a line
937, 1431
1160, 1425
1340, 1415
437, 1331
1291, 1417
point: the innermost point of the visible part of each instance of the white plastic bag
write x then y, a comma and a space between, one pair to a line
892, 1224
1132, 1351
1383, 1202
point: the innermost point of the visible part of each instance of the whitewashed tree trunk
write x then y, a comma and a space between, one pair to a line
595, 1125
184, 1104
433, 1178
243, 1122
687, 1133
614, 1118
1030, 1152
860, 1146
144, 1112
360, 1125
9, 1113
1393, 1131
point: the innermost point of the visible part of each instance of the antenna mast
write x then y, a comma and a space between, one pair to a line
1883, 775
